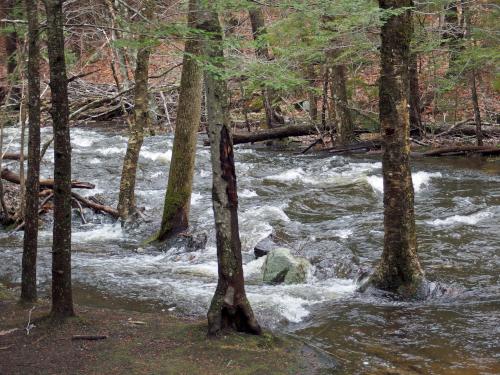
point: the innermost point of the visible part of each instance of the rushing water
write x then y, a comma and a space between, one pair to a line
326, 208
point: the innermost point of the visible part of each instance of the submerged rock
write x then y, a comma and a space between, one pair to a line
281, 266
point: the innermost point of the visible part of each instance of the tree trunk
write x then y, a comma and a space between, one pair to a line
62, 300
10, 43
312, 97
230, 308
345, 126
28, 282
477, 112
180, 180
416, 126
259, 29
399, 270
126, 199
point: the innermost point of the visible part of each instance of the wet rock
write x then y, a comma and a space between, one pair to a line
196, 241
282, 267
264, 247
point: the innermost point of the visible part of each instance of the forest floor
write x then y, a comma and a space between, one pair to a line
138, 343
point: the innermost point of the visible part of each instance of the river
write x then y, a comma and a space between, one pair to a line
327, 209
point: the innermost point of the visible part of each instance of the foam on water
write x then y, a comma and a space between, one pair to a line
99, 233
196, 198
112, 150
420, 180
472, 219
163, 157
246, 193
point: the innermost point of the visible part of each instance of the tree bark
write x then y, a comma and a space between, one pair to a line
62, 299
229, 308
416, 126
180, 180
343, 118
28, 280
126, 199
10, 43
262, 51
477, 111
399, 270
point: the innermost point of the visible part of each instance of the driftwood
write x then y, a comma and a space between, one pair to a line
10, 176
461, 150
96, 206
40, 210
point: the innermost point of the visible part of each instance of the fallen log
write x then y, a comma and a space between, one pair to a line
461, 150
276, 133
11, 156
10, 176
356, 147
96, 206
462, 128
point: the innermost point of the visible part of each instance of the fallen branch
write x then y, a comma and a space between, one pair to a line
461, 150
10, 176
89, 337
96, 206
358, 146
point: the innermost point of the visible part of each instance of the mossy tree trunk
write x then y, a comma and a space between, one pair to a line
141, 121
262, 51
28, 283
229, 308
180, 180
62, 299
399, 270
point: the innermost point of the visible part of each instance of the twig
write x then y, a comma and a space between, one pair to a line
29, 326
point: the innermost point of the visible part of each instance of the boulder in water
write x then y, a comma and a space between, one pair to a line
263, 247
282, 267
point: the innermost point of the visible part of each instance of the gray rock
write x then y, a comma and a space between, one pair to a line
281, 266
264, 247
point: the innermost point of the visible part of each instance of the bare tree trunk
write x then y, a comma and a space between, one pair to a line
416, 126
230, 308
28, 282
62, 299
259, 29
10, 43
126, 199
343, 118
312, 96
399, 270
477, 112
180, 180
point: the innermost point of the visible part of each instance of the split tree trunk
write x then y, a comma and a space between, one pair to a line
180, 180
399, 270
62, 299
28, 280
126, 199
229, 308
